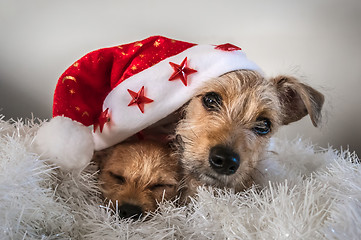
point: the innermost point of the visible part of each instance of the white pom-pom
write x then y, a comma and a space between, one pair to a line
66, 143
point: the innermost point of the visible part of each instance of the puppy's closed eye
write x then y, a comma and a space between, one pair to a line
119, 178
161, 186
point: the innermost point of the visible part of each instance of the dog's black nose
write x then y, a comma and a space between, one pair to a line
129, 211
223, 160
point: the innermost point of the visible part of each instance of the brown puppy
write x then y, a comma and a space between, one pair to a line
137, 175
227, 126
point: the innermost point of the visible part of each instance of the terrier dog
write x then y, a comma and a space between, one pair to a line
137, 175
227, 126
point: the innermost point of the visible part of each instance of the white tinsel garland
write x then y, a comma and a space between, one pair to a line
307, 193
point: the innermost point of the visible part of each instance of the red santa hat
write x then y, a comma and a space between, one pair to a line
113, 93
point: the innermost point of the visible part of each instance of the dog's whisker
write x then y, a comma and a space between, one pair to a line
259, 172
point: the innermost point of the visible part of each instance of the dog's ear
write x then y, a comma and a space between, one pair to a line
99, 157
298, 100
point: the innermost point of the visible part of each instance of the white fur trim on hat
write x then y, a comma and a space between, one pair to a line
66, 143
168, 95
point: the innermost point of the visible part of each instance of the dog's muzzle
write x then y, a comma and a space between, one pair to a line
224, 160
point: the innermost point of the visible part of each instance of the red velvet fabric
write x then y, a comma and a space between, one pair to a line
82, 88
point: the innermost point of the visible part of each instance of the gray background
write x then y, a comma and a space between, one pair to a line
318, 41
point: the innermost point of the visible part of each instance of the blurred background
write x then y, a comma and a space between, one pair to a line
318, 41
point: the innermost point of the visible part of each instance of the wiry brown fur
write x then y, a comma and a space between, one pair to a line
246, 96
138, 173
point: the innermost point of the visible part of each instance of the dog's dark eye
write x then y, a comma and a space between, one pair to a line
212, 101
263, 126
160, 186
120, 179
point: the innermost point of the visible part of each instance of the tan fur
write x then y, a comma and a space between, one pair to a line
246, 96
150, 174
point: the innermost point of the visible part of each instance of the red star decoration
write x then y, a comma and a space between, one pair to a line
228, 47
181, 71
139, 99
102, 120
